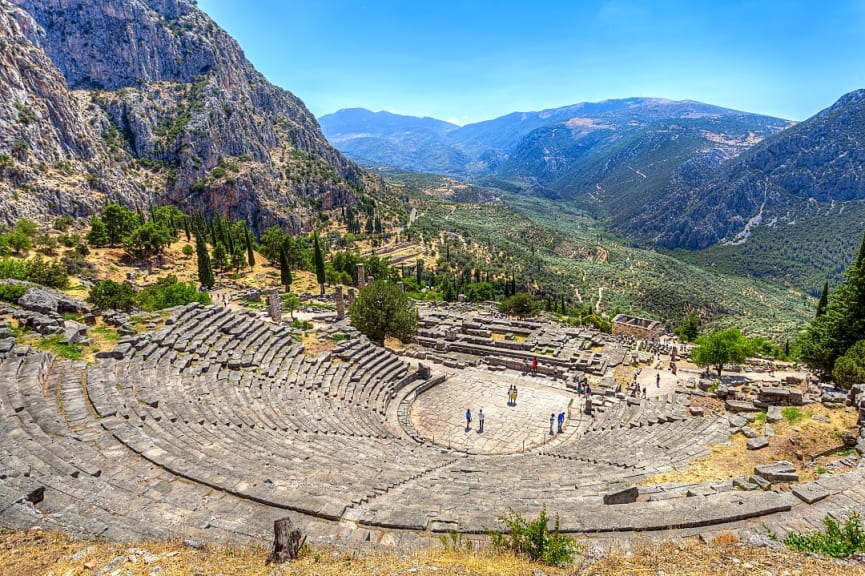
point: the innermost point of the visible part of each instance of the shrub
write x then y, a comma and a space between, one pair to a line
168, 292
47, 273
837, 541
301, 324
534, 539
111, 295
12, 292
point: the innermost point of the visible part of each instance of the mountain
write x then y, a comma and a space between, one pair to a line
820, 161
383, 138
148, 102
533, 146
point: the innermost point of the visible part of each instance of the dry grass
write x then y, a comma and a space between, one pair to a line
40, 553
807, 436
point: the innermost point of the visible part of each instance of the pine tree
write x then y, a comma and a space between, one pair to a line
205, 270
318, 262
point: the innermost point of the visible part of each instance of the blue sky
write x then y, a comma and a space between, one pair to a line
471, 60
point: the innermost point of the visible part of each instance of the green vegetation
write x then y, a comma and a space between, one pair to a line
830, 335
111, 295
12, 292
534, 539
318, 262
721, 347
55, 345
793, 414
849, 369
549, 248
38, 270
520, 304
168, 292
689, 329
301, 325
836, 541
382, 309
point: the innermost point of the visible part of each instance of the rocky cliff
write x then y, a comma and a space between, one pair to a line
149, 102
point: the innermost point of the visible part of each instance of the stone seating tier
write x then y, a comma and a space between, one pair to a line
214, 425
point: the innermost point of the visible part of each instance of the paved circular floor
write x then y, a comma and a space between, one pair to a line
439, 413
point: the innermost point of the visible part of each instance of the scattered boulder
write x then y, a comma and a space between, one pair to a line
773, 414
74, 333
781, 471
736, 421
740, 406
757, 443
749, 432
38, 300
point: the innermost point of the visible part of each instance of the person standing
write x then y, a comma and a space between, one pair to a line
514, 401
534, 366
480, 420
468, 419
561, 420
552, 420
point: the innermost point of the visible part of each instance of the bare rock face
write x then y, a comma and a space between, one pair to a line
151, 102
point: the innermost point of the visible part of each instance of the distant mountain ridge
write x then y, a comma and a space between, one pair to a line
769, 197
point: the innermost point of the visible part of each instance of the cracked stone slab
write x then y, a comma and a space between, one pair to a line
810, 492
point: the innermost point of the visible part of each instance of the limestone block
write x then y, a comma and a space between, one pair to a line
782, 471
757, 443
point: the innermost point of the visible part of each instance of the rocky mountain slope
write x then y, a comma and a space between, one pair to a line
150, 102
820, 161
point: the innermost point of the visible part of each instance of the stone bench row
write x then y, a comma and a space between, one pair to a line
81, 483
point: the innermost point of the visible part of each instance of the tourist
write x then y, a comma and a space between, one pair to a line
658, 380
534, 366
514, 401
552, 421
480, 420
468, 419
561, 420
644, 391
525, 366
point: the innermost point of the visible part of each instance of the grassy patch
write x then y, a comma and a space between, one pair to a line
793, 414
54, 345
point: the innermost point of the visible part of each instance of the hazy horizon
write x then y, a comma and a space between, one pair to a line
469, 61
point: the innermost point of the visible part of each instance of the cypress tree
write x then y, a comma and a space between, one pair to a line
205, 270
250, 257
318, 261
284, 270
824, 300
831, 334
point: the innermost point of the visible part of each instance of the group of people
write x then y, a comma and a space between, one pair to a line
480, 420
512, 395
534, 366
554, 419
